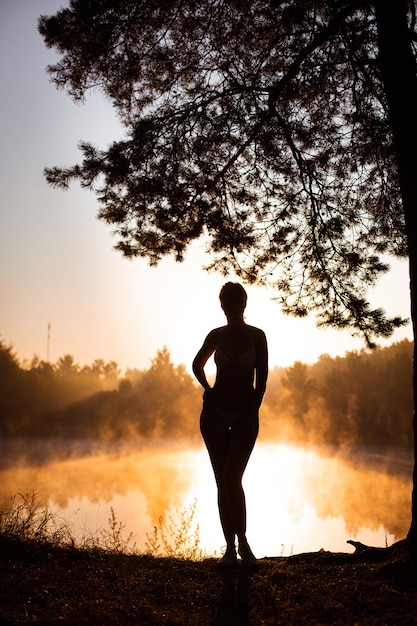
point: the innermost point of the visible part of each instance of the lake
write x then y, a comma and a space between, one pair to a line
297, 500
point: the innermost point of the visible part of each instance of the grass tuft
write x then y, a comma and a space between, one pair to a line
26, 519
176, 538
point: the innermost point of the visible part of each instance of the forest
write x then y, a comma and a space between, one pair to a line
361, 399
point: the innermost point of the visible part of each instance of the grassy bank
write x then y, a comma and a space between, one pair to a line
45, 584
47, 579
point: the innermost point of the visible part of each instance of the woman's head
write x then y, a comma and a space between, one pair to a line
233, 299
233, 291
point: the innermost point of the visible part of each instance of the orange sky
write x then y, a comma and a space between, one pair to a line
57, 264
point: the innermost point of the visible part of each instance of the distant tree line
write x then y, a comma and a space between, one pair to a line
67, 400
363, 398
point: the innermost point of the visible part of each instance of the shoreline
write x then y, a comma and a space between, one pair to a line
42, 583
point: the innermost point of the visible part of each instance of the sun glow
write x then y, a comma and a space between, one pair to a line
61, 267
290, 510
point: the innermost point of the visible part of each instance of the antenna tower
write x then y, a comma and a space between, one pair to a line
48, 342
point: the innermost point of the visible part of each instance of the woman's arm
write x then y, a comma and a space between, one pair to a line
203, 356
261, 371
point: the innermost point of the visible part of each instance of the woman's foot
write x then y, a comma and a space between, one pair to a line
229, 558
246, 553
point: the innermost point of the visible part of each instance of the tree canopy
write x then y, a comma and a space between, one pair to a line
261, 125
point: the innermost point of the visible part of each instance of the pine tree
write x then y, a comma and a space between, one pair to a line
283, 132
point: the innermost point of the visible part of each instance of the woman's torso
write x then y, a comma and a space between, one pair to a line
235, 358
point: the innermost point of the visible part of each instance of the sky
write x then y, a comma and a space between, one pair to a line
57, 263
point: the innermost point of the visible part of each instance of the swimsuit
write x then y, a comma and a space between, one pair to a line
246, 361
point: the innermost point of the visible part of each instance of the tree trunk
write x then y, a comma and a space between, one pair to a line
398, 69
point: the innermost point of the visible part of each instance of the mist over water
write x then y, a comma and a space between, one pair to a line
298, 500
333, 460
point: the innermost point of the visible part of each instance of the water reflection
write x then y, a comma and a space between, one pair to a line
297, 500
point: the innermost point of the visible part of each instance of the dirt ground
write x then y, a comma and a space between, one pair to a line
41, 584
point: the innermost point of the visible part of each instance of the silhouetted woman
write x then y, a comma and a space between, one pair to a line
229, 420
